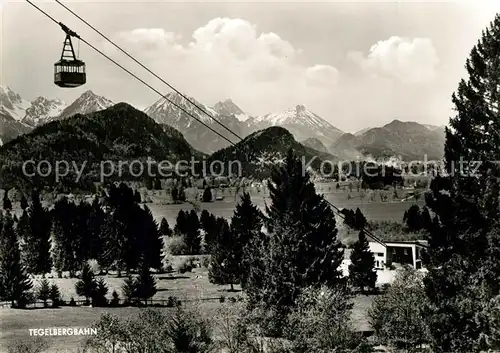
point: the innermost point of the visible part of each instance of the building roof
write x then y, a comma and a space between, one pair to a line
409, 242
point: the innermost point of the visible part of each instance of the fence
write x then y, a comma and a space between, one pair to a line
170, 302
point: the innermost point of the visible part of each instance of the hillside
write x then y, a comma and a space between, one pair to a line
315, 144
198, 135
410, 140
119, 133
263, 150
10, 128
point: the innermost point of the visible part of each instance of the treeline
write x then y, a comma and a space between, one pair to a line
116, 231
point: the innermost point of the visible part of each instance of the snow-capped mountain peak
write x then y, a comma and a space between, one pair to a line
297, 115
301, 122
166, 110
42, 110
88, 102
12, 104
229, 108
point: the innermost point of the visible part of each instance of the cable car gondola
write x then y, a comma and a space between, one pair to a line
69, 72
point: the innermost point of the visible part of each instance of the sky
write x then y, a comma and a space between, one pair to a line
356, 64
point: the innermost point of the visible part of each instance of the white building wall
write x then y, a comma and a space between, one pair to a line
379, 251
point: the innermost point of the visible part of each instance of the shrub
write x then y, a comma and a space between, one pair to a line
186, 266
176, 245
36, 345
205, 262
72, 302
94, 266
399, 315
321, 322
172, 301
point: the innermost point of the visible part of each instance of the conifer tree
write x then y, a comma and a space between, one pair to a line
126, 215
463, 276
181, 223
145, 283
175, 194
44, 292
14, 280
84, 239
37, 242
114, 244
137, 196
100, 292
95, 224
246, 230
149, 183
225, 259
64, 234
7, 204
413, 218
181, 195
165, 228
192, 236
153, 250
24, 202
359, 219
55, 295
87, 285
303, 249
129, 289
207, 195
426, 220
208, 223
361, 269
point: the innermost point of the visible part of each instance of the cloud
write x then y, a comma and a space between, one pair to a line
231, 58
404, 59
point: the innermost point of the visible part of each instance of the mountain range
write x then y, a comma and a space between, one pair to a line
408, 140
121, 135
405, 139
117, 134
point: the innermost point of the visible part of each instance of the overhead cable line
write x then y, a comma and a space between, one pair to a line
148, 70
65, 28
336, 209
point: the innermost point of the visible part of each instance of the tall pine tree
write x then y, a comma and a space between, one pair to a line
225, 259
165, 228
303, 249
246, 229
463, 274
14, 280
192, 235
362, 268
37, 241
208, 223
7, 204
64, 235
153, 249
181, 223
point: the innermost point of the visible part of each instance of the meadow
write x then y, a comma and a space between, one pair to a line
191, 286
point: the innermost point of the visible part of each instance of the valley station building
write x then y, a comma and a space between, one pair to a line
396, 253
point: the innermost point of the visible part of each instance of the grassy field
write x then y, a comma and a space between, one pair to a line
15, 323
369, 202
